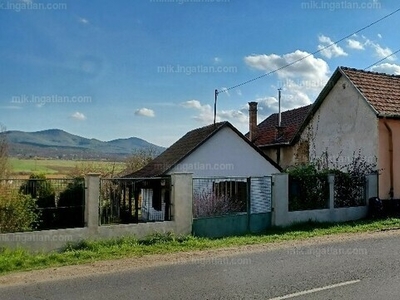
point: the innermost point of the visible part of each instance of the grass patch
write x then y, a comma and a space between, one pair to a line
89, 251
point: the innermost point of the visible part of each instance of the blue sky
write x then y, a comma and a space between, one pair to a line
149, 68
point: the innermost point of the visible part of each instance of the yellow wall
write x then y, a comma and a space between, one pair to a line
384, 158
290, 155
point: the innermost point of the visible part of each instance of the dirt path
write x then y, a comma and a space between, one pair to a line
151, 261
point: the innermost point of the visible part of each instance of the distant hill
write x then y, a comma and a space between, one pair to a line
56, 143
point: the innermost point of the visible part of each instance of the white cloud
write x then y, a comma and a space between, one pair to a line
379, 35
266, 106
309, 67
145, 112
78, 116
332, 51
217, 59
224, 90
387, 68
239, 92
233, 116
300, 82
354, 44
205, 112
10, 107
83, 21
380, 51
192, 104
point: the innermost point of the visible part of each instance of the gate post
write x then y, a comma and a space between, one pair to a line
92, 195
182, 202
280, 200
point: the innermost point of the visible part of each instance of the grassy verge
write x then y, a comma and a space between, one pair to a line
89, 251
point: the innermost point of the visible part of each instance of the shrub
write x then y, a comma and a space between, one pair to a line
71, 204
18, 212
308, 188
42, 191
207, 204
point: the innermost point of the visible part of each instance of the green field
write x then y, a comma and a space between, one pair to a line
59, 167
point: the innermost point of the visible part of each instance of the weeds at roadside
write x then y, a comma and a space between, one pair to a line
161, 243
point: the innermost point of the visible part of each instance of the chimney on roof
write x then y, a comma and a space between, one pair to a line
252, 120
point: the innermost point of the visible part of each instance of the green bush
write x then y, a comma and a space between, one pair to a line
40, 189
18, 212
308, 188
71, 204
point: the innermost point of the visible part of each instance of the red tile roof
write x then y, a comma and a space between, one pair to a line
381, 90
291, 121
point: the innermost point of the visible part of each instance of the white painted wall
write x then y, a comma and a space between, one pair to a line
225, 154
344, 123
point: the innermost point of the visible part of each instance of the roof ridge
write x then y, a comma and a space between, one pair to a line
368, 72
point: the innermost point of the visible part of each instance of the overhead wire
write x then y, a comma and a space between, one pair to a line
377, 62
310, 54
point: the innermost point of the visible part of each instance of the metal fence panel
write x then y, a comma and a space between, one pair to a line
261, 194
134, 200
217, 196
57, 202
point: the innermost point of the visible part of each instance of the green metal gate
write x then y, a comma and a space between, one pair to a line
231, 206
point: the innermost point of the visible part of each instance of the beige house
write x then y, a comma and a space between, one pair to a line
357, 112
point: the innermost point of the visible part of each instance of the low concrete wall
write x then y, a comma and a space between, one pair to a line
281, 216
326, 215
49, 240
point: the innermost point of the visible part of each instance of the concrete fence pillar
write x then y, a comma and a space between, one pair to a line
331, 181
372, 186
280, 199
92, 195
182, 202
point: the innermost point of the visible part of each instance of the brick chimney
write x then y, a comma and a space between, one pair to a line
252, 120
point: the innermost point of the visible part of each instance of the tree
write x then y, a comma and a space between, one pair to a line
4, 162
140, 158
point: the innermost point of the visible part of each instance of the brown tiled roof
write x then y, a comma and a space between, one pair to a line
291, 120
178, 151
185, 146
381, 90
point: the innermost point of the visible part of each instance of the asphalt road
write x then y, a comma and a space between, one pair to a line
361, 269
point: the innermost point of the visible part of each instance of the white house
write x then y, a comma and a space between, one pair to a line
215, 150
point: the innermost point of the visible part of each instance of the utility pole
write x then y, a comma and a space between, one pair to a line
279, 107
215, 105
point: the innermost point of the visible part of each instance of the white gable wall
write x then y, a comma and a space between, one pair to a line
344, 123
225, 154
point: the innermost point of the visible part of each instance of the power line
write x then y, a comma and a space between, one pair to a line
308, 55
377, 62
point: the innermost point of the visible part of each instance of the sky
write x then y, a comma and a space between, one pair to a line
149, 68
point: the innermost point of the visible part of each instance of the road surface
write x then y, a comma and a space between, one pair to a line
365, 266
